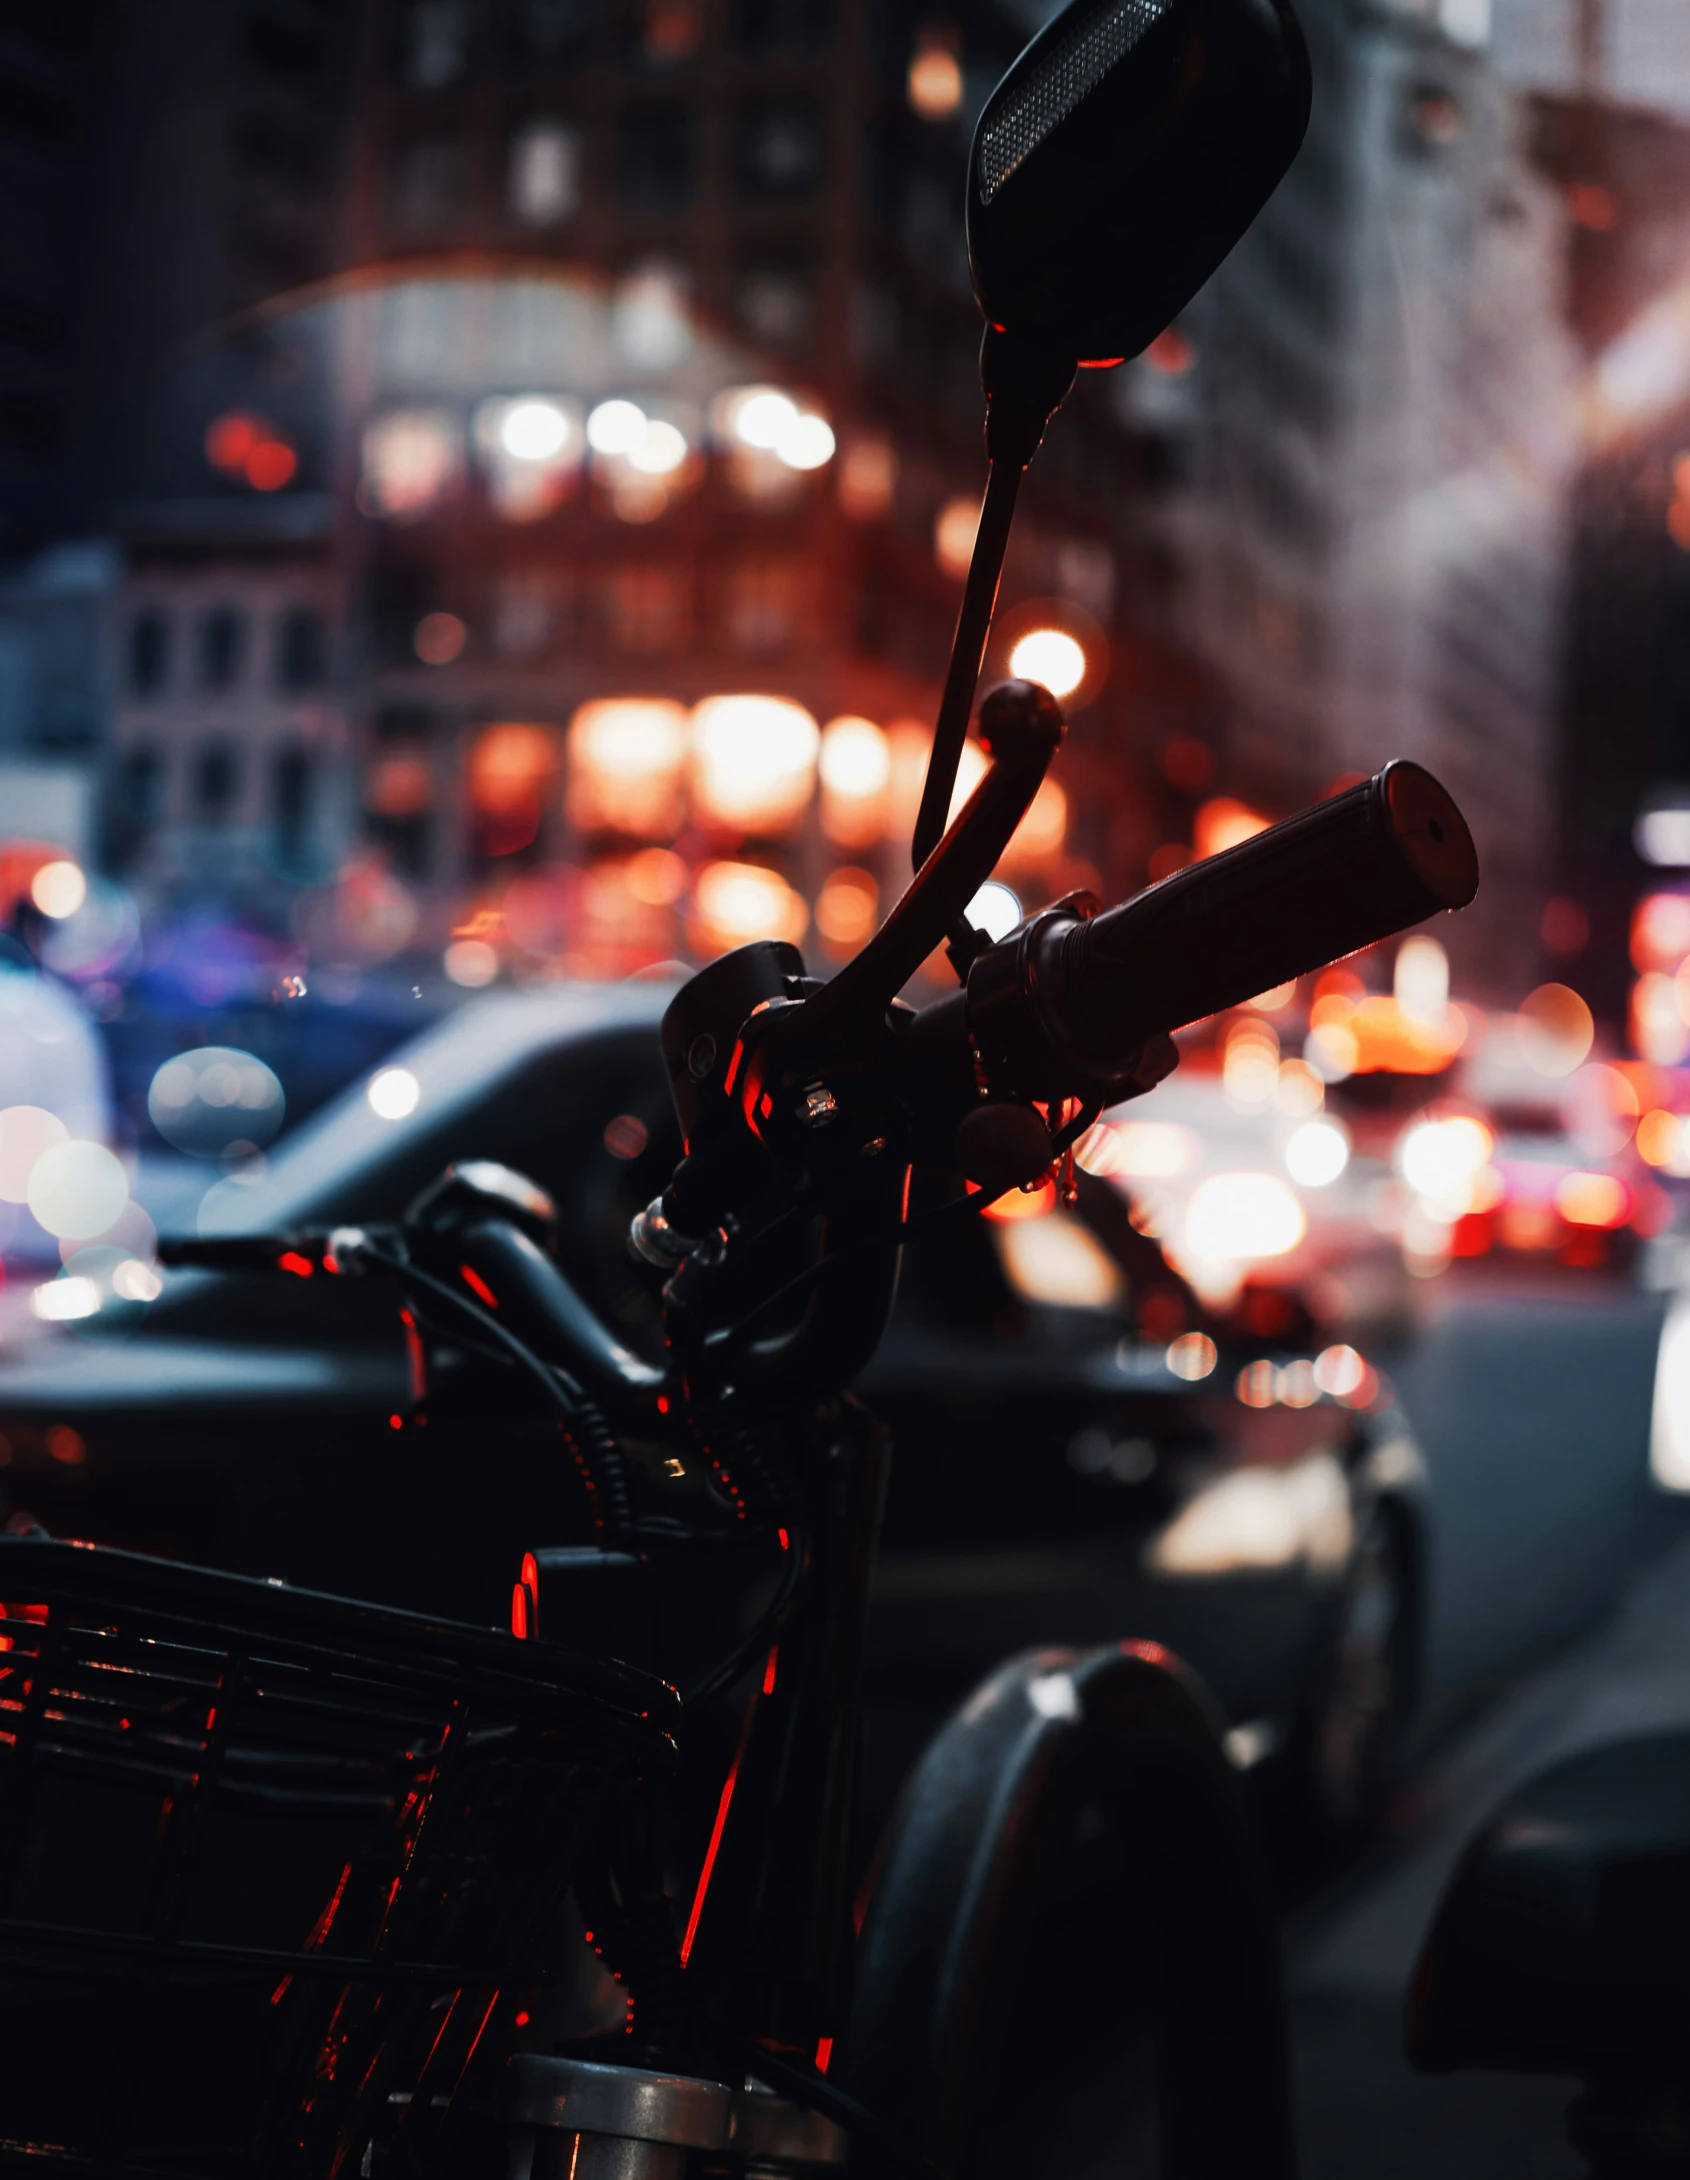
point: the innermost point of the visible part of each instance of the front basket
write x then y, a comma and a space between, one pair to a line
269, 1859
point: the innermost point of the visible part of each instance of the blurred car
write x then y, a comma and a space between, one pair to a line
1085, 1454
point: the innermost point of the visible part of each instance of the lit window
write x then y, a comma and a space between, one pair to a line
511, 769
627, 761
530, 448
754, 762
856, 774
545, 173
411, 459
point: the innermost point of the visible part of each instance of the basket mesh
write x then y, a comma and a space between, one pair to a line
268, 1860
1056, 84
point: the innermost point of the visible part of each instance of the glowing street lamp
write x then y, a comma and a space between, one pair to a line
1051, 657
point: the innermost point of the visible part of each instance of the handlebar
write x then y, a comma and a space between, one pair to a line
1072, 1000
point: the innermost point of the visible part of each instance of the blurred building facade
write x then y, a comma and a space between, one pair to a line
665, 392
1372, 452
499, 221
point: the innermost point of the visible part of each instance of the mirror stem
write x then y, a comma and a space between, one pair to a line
1025, 386
968, 650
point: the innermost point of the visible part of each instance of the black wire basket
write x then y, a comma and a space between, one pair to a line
269, 1861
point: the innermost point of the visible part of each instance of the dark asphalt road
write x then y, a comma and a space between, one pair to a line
1532, 1408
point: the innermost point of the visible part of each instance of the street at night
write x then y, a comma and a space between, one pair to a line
845, 1090
1561, 1620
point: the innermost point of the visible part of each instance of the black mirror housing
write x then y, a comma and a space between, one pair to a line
1121, 158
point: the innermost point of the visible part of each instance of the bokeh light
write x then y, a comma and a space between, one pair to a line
954, 529
534, 430
1052, 657
394, 1093
934, 83
753, 762
207, 1101
1243, 1217
1558, 1028
439, 638
77, 1190
1317, 1152
846, 910
471, 963
64, 1300
627, 765
58, 889
26, 1132
855, 770
994, 910
733, 903
1192, 1356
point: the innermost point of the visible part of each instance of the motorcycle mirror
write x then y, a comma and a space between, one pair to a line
1121, 158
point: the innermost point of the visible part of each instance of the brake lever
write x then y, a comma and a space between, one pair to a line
1022, 727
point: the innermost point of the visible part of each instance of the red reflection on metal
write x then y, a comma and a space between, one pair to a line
785, 1540
519, 1613
416, 1356
290, 1260
824, 2053
716, 1831
769, 1671
477, 1285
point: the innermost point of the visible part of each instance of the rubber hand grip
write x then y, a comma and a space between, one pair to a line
1339, 876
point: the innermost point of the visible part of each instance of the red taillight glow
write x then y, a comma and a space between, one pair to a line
1593, 1199
473, 1280
290, 1260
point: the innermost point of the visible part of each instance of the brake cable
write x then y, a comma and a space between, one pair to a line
951, 1213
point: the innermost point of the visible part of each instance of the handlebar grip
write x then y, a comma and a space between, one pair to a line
1337, 877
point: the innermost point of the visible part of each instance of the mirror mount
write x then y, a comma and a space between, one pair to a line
1025, 384
1113, 168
